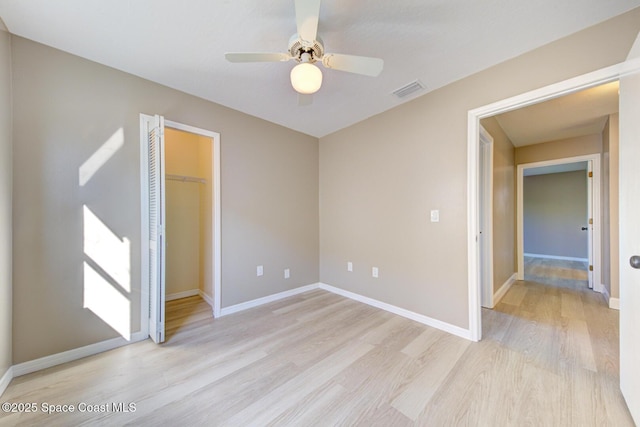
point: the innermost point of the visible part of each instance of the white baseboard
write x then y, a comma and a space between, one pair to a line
92, 349
75, 354
614, 303
425, 320
265, 300
179, 295
504, 288
565, 258
206, 298
599, 287
6, 379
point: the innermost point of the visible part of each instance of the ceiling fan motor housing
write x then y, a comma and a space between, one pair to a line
298, 47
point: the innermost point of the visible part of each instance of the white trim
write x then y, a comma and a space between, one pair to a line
614, 303
594, 159
425, 320
74, 354
564, 258
603, 290
265, 300
504, 289
555, 90
206, 298
6, 380
183, 294
473, 248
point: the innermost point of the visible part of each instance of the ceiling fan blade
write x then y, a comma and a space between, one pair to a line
307, 12
353, 64
304, 99
256, 57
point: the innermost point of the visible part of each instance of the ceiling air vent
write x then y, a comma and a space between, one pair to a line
407, 90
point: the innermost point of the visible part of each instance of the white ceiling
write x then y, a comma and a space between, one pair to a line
578, 114
181, 44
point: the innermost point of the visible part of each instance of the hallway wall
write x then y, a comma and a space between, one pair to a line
555, 209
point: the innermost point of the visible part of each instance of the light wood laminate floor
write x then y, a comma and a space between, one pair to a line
549, 357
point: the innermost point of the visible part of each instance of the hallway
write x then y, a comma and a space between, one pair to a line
555, 323
559, 273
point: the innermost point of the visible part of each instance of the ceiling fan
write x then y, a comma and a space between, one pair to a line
306, 48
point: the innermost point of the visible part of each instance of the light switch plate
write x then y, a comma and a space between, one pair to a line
259, 270
435, 215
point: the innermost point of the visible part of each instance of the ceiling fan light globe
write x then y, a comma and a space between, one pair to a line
306, 78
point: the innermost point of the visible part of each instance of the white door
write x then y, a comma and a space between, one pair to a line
589, 221
485, 198
155, 133
630, 237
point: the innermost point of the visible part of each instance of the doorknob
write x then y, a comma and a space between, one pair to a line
635, 261
584, 229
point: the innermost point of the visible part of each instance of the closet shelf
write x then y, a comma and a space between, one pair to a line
184, 178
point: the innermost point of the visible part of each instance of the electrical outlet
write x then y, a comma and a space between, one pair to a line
435, 215
349, 266
259, 271
374, 272
287, 273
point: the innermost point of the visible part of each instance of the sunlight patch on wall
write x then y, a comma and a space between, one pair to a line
107, 274
107, 250
107, 302
101, 156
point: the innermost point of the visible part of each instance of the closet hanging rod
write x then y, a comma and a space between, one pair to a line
185, 178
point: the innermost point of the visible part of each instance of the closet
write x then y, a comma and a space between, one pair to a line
188, 201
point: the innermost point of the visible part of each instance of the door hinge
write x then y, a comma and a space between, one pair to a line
591, 268
590, 174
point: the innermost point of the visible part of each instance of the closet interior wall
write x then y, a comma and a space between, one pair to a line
188, 214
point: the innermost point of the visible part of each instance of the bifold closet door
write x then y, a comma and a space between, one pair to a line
155, 133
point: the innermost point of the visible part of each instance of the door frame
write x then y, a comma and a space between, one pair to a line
585, 81
595, 250
145, 290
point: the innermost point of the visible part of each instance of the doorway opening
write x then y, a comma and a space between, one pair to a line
180, 218
559, 225
558, 90
188, 214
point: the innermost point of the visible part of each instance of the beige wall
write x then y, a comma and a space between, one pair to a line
65, 108
504, 204
564, 148
183, 209
380, 178
5, 202
555, 210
